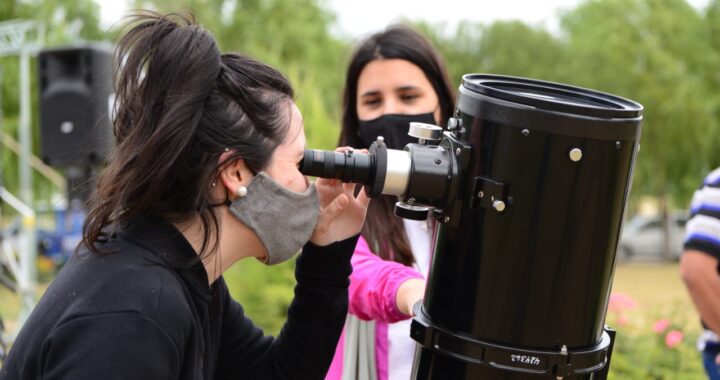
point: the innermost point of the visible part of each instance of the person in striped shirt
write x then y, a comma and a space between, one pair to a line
699, 267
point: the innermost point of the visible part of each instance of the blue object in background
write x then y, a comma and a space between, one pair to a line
60, 243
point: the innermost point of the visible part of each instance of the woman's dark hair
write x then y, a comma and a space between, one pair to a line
384, 231
179, 104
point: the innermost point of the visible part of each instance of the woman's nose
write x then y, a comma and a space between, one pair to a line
392, 106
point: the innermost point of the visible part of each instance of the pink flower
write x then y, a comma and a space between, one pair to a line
673, 338
622, 319
661, 325
620, 302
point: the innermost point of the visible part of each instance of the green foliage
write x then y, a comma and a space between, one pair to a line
264, 291
503, 47
658, 53
322, 125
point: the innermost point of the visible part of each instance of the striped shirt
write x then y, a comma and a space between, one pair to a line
702, 232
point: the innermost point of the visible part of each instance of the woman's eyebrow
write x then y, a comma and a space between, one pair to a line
370, 93
397, 89
406, 88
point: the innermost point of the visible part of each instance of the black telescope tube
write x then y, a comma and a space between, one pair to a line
520, 281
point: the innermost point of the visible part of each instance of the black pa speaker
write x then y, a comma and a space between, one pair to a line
76, 99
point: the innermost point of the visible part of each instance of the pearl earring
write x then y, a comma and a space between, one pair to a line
241, 191
214, 183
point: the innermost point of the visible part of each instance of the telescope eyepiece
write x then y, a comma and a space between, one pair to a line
350, 166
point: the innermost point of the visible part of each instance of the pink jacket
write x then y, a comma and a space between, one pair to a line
373, 286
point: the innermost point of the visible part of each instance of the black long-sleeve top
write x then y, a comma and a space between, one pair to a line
146, 311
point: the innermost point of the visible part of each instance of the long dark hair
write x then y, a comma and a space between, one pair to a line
384, 231
179, 104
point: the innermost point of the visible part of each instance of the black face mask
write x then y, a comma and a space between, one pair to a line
392, 127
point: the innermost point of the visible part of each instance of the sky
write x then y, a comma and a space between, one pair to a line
357, 18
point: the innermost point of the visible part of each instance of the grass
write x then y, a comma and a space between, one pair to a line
10, 303
651, 284
658, 291
9, 307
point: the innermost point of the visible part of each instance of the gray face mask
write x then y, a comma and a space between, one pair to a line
282, 219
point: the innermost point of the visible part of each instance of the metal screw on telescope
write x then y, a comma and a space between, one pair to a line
499, 206
563, 352
453, 124
576, 154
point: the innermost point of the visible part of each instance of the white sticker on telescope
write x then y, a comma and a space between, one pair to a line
525, 359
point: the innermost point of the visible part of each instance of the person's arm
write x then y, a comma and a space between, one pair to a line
382, 290
699, 272
699, 262
114, 345
408, 294
306, 344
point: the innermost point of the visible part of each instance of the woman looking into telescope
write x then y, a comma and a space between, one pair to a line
394, 77
204, 174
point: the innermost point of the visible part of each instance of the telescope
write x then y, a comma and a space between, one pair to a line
528, 183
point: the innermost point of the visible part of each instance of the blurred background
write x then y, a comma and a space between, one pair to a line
664, 54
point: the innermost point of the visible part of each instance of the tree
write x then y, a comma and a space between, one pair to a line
659, 53
502, 47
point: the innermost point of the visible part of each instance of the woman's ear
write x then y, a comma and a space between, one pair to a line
235, 175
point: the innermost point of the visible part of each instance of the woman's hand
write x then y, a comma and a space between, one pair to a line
341, 213
408, 294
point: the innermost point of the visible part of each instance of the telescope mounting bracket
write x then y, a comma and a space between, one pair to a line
489, 193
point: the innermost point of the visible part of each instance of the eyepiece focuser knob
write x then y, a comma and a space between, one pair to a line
408, 211
425, 132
